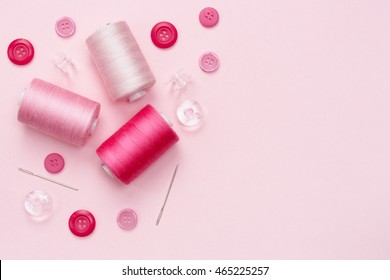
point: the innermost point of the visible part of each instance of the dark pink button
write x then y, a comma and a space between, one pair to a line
20, 51
208, 17
65, 27
54, 163
127, 219
82, 223
164, 34
209, 62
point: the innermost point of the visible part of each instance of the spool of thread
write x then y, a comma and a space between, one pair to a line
136, 145
58, 112
120, 62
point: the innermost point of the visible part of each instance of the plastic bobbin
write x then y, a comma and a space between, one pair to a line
21, 96
189, 113
137, 95
180, 80
65, 63
166, 119
93, 126
108, 171
38, 204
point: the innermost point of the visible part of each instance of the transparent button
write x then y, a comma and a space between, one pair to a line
189, 113
38, 204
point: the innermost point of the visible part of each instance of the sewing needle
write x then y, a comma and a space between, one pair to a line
166, 197
47, 179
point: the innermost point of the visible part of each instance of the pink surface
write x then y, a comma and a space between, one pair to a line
292, 160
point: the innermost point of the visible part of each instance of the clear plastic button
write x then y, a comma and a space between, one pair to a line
189, 113
38, 204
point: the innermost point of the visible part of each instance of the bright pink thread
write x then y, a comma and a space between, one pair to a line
137, 144
58, 112
120, 62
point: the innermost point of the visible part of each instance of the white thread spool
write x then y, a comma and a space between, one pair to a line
120, 62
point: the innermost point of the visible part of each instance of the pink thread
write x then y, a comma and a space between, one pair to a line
137, 144
120, 62
58, 112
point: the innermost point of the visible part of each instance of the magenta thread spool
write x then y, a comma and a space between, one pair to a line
58, 112
136, 145
120, 62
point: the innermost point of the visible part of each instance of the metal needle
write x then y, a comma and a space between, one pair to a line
47, 179
166, 197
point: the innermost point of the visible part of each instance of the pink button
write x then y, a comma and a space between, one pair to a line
127, 219
20, 51
208, 17
82, 223
54, 163
209, 62
65, 27
164, 34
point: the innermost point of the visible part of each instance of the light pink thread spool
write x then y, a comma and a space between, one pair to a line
58, 112
120, 62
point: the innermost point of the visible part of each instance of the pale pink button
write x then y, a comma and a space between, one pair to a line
209, 62
54, 163
208, 17
65, 27
127, 219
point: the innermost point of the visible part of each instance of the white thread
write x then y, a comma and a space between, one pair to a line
120, 62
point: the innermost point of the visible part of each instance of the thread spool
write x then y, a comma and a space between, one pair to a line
58, 112
120, 62
136, 145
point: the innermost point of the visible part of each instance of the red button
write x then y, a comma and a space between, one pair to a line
54, 163
208, 17
209, 62
65, 27
82, 223
20, 51
127, 219
164, 34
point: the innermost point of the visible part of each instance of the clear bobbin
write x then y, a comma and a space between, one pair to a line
189, 113
38, 204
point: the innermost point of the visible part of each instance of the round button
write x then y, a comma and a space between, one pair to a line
164, 34
208, 17
65, 27
189, 113
82, 223
54, 163
38, 203
20, 51
209, 62
127, 219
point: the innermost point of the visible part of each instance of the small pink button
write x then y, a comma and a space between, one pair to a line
208, 17
65, 27
127, 219
20, 51
82, 223
54, 163
164, 34
209, 62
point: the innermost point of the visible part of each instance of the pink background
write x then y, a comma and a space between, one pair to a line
292, 160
